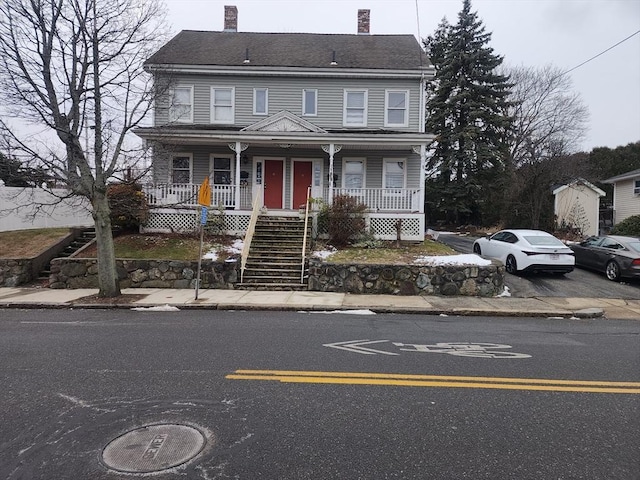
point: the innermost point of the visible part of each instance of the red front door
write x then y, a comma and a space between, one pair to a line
273, 178
302, 172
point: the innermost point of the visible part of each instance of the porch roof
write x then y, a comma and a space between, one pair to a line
211, 134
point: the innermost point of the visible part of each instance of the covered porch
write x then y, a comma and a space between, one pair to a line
277, 162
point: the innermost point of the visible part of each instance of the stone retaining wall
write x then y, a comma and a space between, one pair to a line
14, 272
470, 280
83, 273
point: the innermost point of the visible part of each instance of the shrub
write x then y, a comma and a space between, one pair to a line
344, 220
629, 226
129, 207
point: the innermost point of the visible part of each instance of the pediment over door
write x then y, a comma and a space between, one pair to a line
284, 122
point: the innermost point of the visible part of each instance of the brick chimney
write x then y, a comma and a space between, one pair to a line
230, 18
363, 22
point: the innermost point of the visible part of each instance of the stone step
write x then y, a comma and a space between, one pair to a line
272, 286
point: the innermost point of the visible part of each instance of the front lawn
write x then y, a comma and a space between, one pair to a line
29, 243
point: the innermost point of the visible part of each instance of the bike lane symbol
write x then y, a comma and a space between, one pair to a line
464, 349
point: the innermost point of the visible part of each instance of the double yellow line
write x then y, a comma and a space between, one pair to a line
400, 380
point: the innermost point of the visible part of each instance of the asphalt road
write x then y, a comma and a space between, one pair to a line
580, 283
445, 396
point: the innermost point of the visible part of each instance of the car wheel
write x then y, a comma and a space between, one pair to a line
511, 265
613, 271
476, 249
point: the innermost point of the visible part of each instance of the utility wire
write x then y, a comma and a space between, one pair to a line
601, 53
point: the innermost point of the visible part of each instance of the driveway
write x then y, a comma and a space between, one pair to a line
579, 283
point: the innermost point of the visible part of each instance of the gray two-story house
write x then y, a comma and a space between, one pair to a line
272, 118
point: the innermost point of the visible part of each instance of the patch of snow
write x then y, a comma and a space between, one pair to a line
324, 254
157, 308
555, 318
505, 292
463, 259
236, 247
211, 255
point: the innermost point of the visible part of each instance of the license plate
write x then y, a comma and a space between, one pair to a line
555, 256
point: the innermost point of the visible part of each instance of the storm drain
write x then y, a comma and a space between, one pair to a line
153, 448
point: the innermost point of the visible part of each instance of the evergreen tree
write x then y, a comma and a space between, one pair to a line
466, 112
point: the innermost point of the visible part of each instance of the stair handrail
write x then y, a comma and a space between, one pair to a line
304, 237
257, 205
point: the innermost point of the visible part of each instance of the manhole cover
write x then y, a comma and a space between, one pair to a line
153, 448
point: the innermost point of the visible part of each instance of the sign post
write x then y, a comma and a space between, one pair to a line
204, 199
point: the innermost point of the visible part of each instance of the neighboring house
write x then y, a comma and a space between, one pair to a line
577, 206
626, 195
267, 115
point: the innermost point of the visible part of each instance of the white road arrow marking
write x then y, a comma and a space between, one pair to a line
355, 346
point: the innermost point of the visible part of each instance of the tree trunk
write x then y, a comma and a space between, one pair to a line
108, 282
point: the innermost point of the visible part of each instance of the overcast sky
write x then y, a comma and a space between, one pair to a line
564, 33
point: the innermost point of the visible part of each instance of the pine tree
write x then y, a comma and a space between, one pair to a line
466, 112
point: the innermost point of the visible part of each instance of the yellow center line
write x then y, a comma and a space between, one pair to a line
504, 383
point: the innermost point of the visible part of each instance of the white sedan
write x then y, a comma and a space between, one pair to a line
527, 251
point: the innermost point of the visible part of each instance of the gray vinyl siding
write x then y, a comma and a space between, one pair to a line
626, 202
286, 94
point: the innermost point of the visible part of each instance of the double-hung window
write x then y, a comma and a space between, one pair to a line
260, 101
181, 169
353, 173
636, 187
394, 173
309, 102
181, 106
222, 104
396, 112
222, 171
355, 108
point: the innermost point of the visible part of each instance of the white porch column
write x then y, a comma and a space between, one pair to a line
422, 151
331, 149
238, 147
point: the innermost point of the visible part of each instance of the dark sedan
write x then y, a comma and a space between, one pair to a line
614, 255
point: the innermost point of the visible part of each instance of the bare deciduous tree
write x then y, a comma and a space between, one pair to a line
74, 68
549, 120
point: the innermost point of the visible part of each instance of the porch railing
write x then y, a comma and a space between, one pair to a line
186, 194
377, 199
382, 199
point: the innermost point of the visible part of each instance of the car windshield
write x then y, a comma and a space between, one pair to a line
543, 240
634, 245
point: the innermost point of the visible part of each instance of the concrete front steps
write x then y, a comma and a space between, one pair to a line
86, 236
275, 255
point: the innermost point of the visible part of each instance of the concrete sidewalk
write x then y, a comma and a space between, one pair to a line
320, 301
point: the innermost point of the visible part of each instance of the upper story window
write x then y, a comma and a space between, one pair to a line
394, 173
222, 104
310, 102
355, 108
260, 101
396, 113
181, 107
353, 176
181, 169
636, 187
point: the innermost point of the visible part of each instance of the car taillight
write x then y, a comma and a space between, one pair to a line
636, 262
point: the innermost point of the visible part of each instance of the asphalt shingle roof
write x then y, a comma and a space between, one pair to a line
305, 50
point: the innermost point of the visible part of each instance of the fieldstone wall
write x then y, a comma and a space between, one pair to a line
470, 280
83, 273
14, 272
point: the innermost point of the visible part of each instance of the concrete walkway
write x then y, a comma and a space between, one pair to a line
319, 301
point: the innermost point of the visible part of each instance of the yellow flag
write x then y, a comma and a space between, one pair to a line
204, 194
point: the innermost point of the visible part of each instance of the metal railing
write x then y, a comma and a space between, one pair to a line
257, 205
304, 237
